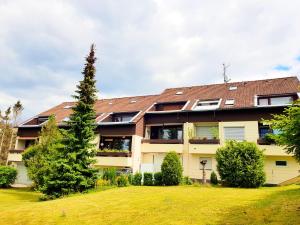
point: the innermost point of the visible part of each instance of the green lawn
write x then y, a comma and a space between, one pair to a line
156, 205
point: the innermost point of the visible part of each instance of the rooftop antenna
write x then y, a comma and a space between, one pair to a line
226, 78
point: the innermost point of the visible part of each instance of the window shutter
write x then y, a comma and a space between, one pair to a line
234, 133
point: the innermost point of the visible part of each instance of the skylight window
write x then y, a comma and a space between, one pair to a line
207, 104
133, 101
232, 88
110, 103
229, 102
179, 93
68, 107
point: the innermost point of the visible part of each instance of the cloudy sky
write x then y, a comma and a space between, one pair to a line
143, 46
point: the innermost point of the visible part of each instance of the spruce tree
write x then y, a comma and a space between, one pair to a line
72, 170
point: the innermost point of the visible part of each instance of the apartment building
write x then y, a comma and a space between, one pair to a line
134, 133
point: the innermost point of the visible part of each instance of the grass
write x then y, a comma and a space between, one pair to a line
156, 205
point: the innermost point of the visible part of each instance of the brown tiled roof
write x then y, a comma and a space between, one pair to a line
105, 106
243, 96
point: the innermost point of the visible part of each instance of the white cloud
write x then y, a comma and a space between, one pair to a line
142, 46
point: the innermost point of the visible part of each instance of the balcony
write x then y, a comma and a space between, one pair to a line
162, 145
265, 141
204, 141
162, 141
114, 158
114, 154
15, 155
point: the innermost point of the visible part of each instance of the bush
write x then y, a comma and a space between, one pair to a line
148, 179
110, 174
8, 176
158, 179
122, 181
241, 164
130, 178
101, 183
171, 169
186, 181
137, 179
213, 178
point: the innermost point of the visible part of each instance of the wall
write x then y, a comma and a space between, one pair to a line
277, 174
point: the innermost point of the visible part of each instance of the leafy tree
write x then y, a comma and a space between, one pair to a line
72, 171
241, 164
171, 169
8, 121
37, 158
288, 124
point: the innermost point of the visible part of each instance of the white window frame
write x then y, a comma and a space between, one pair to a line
210, 107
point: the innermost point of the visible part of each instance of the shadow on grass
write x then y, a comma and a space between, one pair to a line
23, 194
281, 207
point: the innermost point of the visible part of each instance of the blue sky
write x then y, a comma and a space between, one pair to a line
142, 46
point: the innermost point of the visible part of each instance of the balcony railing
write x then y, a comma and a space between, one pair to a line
113, 154
16, 151
265, 141
162, 141
204, 141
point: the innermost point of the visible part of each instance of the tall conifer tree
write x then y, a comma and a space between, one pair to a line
72, 170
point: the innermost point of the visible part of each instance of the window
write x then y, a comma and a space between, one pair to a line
263, 101
42, 119
209, 132
232, 88
275, 100
66, 119
28, 143
229, 102
207, 104
281, 100
121, 118
118, 143
234, 133
281, 163
264, 130
208, 165
166, 106
179, 93
166, 132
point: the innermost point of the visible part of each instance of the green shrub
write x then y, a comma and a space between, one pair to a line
213, 178
137, 179
8, 176
122, 181
101, 183
241, 164
148, 179
110, 174
186, 181
171, 169
158, 179
130, 178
